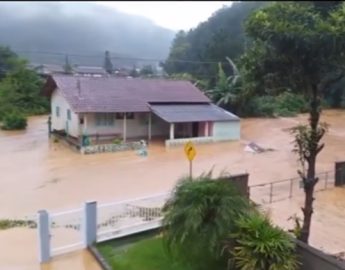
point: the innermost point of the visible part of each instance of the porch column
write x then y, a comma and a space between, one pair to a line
85, 123
172, 131
150, 122
124, 127
206, 129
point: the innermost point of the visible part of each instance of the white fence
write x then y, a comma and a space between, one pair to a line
65, 231
119, 218
76, 229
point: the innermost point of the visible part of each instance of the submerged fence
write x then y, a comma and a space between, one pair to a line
286, 189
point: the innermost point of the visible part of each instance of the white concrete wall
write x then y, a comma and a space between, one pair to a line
136, 128
223, 131
61, 122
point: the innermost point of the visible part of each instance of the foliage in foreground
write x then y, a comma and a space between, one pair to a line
198, 217
208, 225
257, 244
14, 121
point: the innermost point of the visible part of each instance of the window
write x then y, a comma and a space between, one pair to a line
129, 115
69, 114
104, 119
57, 111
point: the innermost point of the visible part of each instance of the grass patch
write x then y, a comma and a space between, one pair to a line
147, 254
8, 224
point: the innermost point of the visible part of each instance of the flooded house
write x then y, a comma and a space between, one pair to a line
104, 110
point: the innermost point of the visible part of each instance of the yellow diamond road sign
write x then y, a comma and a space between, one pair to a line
189, 149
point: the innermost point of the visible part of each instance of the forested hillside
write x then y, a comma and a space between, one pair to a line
246, 82
221, 35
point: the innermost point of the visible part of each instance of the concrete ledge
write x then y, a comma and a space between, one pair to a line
196, 140
99, 258
312, 258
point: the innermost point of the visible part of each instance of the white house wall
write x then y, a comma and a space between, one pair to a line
230, 130
137, 127
60, 123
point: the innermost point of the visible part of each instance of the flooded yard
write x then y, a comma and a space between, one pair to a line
37, 173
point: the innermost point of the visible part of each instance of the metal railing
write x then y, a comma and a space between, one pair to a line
286, 189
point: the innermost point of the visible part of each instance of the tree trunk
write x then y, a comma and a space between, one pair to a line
310, 180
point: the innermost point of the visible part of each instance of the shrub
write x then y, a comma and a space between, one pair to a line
14, 121
117, 141
198, 217
257, 244
289, 104
263, 106
285, 104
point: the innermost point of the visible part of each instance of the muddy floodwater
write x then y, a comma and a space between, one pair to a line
39, 174
36, 173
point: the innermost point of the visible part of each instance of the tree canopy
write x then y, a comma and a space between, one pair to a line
19, 87
300, 47
220, 36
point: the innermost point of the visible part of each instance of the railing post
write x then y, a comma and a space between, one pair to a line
271, 192
90, 223
291, 186
44, 236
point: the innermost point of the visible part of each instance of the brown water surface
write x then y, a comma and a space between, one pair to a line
36, 173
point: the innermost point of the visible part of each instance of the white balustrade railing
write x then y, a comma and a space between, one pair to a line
114, 219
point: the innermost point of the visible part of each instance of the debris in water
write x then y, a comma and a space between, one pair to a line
255, 148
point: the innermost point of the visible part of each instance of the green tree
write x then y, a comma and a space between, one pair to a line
67, 66
201, 84
147, 70
134, 73
257, 244
8, 61
20, 92
108, 65
14, 121
199, 216
304, 50
210, 42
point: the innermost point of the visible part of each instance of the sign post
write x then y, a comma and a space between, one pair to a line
190, 152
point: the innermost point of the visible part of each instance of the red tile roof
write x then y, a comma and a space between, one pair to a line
110, 94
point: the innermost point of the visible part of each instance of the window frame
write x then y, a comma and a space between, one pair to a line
69, 115
57, 111
104, 119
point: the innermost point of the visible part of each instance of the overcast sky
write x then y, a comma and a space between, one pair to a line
175, 15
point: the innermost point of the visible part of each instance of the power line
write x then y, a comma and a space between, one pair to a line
122, 57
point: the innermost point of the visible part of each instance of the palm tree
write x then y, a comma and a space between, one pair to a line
198, 217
